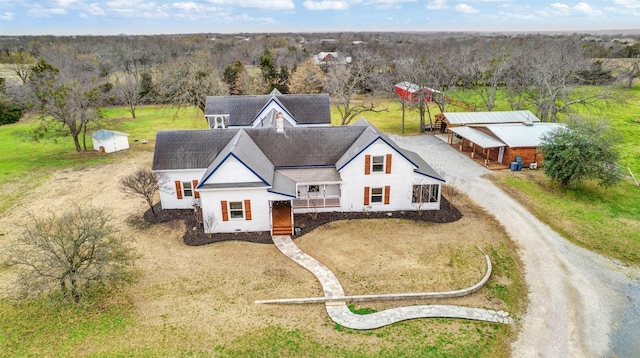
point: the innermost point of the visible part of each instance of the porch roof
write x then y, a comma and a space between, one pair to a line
482, 139
311, 175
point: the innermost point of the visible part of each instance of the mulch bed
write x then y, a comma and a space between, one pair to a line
304, 223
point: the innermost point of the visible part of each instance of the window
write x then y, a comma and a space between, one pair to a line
236, 210
425, 193
377, 165
313, 189
376, 195
186, 189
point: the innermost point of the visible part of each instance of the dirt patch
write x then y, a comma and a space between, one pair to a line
304, 223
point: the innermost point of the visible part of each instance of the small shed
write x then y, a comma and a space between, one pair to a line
106, 141
410, 92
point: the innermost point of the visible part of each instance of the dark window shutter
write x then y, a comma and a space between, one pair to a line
387, 170
367, 164
178, 189
195, 193
225, 210
366, 195
247, 209
387, 192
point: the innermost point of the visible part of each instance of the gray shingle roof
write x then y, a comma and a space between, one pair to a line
242, 147
243, 110
264, 150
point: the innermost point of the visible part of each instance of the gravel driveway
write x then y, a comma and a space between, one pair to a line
581, 304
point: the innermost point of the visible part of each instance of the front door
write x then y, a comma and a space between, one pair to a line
281, 218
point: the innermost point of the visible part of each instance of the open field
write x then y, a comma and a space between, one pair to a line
603, 220
199, 300
25, 163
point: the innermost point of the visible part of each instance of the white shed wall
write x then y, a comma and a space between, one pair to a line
112, 144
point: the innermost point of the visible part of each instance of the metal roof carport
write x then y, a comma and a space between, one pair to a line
480, 139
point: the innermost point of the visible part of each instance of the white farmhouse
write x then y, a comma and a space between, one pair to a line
106, 141
255, 178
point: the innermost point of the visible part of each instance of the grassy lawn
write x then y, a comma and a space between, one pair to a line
603, 220
25, 163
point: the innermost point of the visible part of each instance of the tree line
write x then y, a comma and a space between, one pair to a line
68, 79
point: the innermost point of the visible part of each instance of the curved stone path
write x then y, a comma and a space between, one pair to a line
335, 300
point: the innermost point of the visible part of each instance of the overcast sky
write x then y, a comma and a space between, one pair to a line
112, 17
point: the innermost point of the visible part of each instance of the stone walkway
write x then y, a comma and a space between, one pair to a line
336, 306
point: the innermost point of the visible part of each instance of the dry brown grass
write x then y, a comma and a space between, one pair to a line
202, 297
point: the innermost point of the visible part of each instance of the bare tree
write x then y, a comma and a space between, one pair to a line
19, 63
144, 183
70, 100
484, 70
344, 81
68, 252
550, 80
128, 90
188, 81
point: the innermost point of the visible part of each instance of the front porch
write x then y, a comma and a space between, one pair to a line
317, 197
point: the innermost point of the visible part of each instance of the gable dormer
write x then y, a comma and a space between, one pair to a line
272, 113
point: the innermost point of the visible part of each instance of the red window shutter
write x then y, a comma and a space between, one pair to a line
225, 210
366, 195
387, 192
387, 169
195, 193
178, 189
367, 164
247, 209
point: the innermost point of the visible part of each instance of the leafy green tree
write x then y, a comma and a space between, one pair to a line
68, 252
9, 112
585, 149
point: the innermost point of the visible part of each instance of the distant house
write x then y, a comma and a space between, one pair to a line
499, 136
255, 178
411, 92
327, 58
106, 141
262, 110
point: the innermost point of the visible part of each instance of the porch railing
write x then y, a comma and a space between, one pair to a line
317, 202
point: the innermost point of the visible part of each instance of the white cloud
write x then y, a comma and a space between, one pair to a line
6, 16
187, 6
94, 9
247, 18
561, 8
40, 11
466, 9
627, 4
67, 3
326, 5
388, 2
437, 5
585, 8
581, 8
258, 4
